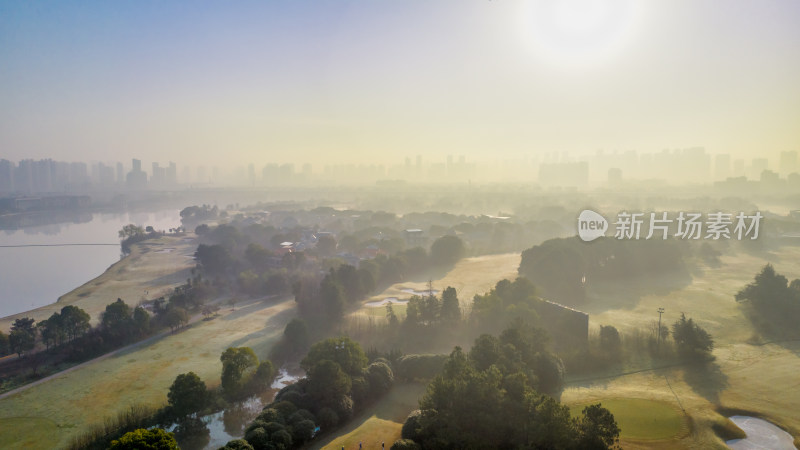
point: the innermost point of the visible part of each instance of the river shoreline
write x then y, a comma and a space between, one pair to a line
152, 269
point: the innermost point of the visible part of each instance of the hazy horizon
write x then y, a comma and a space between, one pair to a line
374, 83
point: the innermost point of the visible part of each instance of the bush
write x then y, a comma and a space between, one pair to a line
327, 418
411, 426
237, 444
426, 366
405, 444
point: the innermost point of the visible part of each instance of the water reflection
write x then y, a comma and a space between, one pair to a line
192, 433
22, 270
215, 430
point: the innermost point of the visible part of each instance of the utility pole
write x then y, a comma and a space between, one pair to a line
658, 340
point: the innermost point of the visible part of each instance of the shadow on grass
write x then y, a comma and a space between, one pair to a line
626, 293
431, 273
273, 325
248, 306
706, 379
394, 406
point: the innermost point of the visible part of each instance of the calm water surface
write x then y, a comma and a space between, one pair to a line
31, 277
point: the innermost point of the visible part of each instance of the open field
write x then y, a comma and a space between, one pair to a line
470, 276
151, 268
381, 422
143, 374
747, 376
28, 432
641, 419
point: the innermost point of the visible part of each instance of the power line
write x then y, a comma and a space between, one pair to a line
55, 245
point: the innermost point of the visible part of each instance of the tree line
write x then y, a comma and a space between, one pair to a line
67, 335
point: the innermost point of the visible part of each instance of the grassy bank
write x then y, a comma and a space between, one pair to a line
381, 422
153, 268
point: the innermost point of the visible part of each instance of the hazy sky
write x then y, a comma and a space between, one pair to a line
375, 81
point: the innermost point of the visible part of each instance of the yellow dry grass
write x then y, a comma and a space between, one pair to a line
760, 379
470, 276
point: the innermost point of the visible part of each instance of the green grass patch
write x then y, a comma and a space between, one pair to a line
28, 432
380, 422
640, 419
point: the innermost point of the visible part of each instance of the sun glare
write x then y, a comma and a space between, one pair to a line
578, 31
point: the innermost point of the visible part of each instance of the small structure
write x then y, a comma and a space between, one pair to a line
415, 237
286, 247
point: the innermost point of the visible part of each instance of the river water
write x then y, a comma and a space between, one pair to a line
215, 430
31, 277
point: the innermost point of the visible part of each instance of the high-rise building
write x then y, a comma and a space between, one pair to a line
6, 176
788, 162
722, 166
136, 178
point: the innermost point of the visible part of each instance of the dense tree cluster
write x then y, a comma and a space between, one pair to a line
487, 398
327, 301
506, 301
563, 268
339, 382
243, 373
194, 215
131, 234
772, 302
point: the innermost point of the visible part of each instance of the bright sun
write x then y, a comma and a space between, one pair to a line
578, 31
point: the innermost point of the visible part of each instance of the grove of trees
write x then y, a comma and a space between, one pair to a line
772, 302
491, 397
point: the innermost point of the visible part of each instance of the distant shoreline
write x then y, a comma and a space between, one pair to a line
127, 278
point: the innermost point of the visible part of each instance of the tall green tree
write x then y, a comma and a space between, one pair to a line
116, 321
3, 344
332, 297
451, 311
75, 321
22, 338
52, 330
235, 362
21, 341
188, 394
693, 342
447, 250
296, 335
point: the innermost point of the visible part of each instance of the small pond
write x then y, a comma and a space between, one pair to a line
215, 430
386, 301
760, 435
425, 292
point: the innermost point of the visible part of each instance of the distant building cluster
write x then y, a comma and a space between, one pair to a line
28, 176
551, 170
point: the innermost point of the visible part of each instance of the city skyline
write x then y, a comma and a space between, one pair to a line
689, 165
